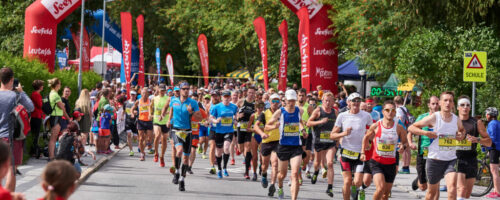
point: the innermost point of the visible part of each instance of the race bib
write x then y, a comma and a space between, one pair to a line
425, 152
291, 129
386, 147
447, 142
182, 135
195, 126
463, 144
226, 121
128, 111
243, 126
325, 137
350, 154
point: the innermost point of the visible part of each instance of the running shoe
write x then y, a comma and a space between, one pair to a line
176, 179
443, 189
131, 153
329, 192
181, 186
272, 189
325, 172
232, 161
493, 195
155, 159
314, 179
200, 150
238, 152
172, 170
190, 171
204, 156
246, 176
162, 162
212, 171
219, 174
404, 171
300, 181
361, 194
254, 178
263, 182
151, 151
308, 175
281, 195
354, 192
225, 172
414, 184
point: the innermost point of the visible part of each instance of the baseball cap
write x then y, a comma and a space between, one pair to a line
162, 87
215, 92
280, 92
133, 92
169, 90
207, 96
176, 88
274, 96
107, 107
77, 114
291, 95
491, 111
353, 96
226, 93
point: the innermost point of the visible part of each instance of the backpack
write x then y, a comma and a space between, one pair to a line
408, 118
95, 110
22, 123
46, 107
65, 149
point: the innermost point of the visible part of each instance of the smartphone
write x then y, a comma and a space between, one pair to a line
16, 83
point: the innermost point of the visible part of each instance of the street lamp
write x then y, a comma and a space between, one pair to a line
362, 74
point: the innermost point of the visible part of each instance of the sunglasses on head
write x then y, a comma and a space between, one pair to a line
390, 110
275, 101
464, 105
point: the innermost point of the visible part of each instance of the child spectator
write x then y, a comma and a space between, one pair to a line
105, 130
5, 161
59, 180
69, 146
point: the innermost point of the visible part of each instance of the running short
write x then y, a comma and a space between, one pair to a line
309, 141
104, 132
389, 171
131, 126
437, 169
203, 131
144, 125
267, 148
366, 168
195, 140
348, 164
220, 138
164, 128
467, 166
211, 135
421, 175
244, 137
257, 138
54, 120
323, 146
286, 153
183, 137
494, 154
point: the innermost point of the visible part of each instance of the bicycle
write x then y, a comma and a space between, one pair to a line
484, 179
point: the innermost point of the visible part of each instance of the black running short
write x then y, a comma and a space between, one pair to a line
421, 175
164, 128
494, 155
144, 125
467, 166
267, 148
366, 168
211, 135
389, 171
183, 139
220, 138
285, 153
323, 146
244, 137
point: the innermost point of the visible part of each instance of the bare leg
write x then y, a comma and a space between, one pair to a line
379, 181
295, 165
157, 138
451, 185
53, 138
346, 189
496, 178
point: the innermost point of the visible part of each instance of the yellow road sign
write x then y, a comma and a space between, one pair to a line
475, 66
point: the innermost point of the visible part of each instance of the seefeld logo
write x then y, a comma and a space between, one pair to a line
41, 31
58, 7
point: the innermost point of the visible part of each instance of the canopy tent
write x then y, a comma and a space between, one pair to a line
244, 74
350, 71
112, 57
393, 84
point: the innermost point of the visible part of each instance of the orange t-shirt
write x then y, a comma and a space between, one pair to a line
195, 125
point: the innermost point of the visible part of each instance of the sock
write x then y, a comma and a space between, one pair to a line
181, 178
219, 159
184, 169
363, 186
226, 159
330, 186
264, 174
316, 172
177, 162
248, 159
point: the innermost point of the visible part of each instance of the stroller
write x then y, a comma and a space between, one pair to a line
44, 138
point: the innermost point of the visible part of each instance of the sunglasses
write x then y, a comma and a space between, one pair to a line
275, 101
357, 100
390, 110
464, 105
184, 88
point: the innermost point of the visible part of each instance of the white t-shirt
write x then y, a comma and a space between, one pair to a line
358, 122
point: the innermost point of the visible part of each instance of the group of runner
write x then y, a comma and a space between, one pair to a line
294, 131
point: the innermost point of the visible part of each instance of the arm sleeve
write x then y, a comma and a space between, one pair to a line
26, 102
37, 100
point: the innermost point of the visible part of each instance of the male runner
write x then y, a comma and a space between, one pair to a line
246, 108
202, 149
223, 115
145, 123
234, 148
322, 121
270, 140
182, 109
288, 120
442, 150
131, 120
211, 137
494, 130
195, 129
160, 124
353, 123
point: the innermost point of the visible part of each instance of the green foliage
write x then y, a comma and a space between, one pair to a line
12, 25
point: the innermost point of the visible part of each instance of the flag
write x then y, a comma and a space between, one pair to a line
140, 30
126, 21
203, 50
284, 56
260, 29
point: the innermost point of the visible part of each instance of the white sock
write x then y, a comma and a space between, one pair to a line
182, 178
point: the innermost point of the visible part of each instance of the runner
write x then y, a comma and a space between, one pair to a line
270, 140
288, 120
246, 109
466, 149
183, 108
442, 151
195, 128
353, 123
423, 146
234, 147
223, 115
322, 121
307, 106
202, 149
256, 139
384, 135
131, 121
160, 123
494, 130
211, 136
145, 123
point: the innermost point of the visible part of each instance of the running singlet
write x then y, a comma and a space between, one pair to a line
181, 118
159, 103
386, 140
274, 135
289, 127
226, 114
247, 109
144, 110
322, 131
128, 111
358, 123
444, 146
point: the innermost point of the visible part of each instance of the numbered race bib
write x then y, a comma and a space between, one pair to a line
243, 126
128, 111
325, 137
425, 152
463, 144
227, 121
291, 129
447, 142
350, 154
182, 135
195, 126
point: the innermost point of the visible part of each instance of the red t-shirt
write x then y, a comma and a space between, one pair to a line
36, 98
4, 194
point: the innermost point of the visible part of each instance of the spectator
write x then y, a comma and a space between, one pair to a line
4, 169
8, 102
67, 106
83, 105
36, 116
56, 117
59, 180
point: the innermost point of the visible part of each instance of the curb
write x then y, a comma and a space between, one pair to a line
94, 167
405, 189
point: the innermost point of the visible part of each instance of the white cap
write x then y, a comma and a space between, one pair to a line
280, 92
274, 96
291, 95
353, 96
133, 92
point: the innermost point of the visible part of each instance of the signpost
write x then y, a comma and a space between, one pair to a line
475, 63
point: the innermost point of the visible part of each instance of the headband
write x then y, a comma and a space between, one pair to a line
463, 100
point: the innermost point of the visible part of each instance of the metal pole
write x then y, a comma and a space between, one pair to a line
103, 34
81, 48
473, 99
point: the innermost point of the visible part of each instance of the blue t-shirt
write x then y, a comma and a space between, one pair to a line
180, 115
378, 108
226, 113
105, 120
494, 132
342, 103
213, 127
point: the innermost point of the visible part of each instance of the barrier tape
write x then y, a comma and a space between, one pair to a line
189, 76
